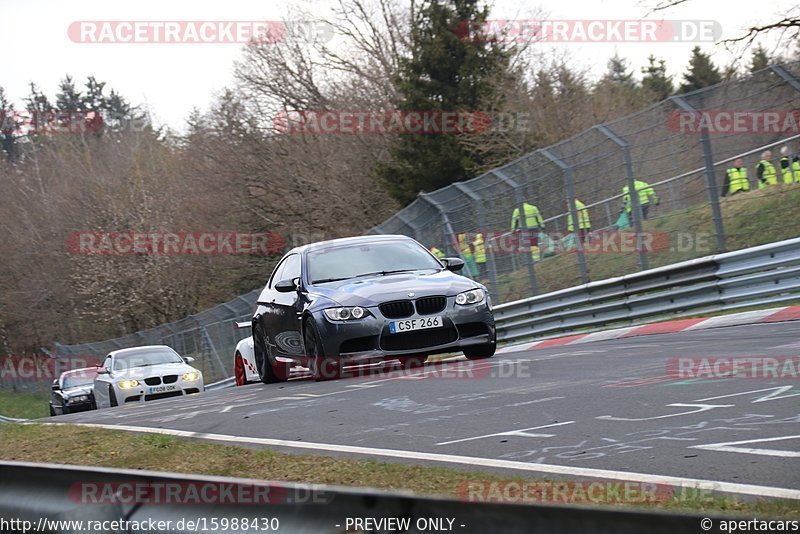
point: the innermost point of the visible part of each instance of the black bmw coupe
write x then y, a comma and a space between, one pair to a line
364, 299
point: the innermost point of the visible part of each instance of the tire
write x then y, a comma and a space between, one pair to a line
412, 362
92, 402
52, 411
322, 368
238, 370
481, 352
112, 397
266, 372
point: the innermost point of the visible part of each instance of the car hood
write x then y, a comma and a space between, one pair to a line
373, 290
155, 370
76, 391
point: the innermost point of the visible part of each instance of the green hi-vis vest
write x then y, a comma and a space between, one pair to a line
791, 171
769, 177
737, 180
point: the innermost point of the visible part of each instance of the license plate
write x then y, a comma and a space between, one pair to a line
395, 327
161, 389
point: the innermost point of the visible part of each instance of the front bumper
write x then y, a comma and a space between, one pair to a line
368, 339
144, 392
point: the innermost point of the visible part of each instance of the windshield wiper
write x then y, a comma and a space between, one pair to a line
324, 280
384, 273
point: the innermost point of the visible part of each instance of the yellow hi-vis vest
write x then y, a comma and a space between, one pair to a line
438, 253
791, 170
645, 192
480, 251
769, 176
737, 180
533, 219
583, 217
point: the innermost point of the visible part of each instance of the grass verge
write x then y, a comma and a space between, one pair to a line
23, 405
108, 448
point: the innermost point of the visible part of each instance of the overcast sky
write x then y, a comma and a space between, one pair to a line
172, 78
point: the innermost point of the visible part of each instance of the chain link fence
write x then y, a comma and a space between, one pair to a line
681, 147
665, 145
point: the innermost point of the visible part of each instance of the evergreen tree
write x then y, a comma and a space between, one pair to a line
9, 124
655, 79
701, 72
444, 71
618, 72
759, 59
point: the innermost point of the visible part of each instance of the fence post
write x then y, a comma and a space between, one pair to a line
711, 180
573, 211
519, 202
446, 225
478, 202
636, 207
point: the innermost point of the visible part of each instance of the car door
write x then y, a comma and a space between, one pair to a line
286, 308
266, 305
101, 382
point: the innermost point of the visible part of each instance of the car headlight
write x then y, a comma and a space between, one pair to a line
347, 313
191, 376
79, 398
128, 384
474, 296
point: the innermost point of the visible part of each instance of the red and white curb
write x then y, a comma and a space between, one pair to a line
773, 315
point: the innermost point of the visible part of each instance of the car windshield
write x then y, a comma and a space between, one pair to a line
79, 378
351, 261
146, 358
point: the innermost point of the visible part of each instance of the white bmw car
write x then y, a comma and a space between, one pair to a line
145, 373
244, 361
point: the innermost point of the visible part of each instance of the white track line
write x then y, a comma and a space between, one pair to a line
727, 487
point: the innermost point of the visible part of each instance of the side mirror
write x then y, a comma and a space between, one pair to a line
103, 371
285, 286
188, 359
453, 264
55, 387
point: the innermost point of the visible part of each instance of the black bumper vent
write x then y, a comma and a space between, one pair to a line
420, 339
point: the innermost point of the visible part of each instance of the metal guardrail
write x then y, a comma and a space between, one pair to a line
763, 275
43, 493
222, 384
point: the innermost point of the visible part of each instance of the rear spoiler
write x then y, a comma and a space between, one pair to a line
244, 324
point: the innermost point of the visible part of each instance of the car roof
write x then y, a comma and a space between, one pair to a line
344, 241
139, 350
82, 371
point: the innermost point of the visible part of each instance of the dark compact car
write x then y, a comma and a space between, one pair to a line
365, 299
72, 392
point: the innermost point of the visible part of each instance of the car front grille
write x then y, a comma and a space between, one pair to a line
170, 379
419, 339
429, 305
153, 381
397, 309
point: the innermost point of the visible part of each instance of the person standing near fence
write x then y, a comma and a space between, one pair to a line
584, 224
479, 251
790, 167
645, 192
533, 225
765, 170
736, 179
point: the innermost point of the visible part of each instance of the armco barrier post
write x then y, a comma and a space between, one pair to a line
636, 208
573, 212
711, 180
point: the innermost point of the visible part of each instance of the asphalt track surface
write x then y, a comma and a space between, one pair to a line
595, 410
